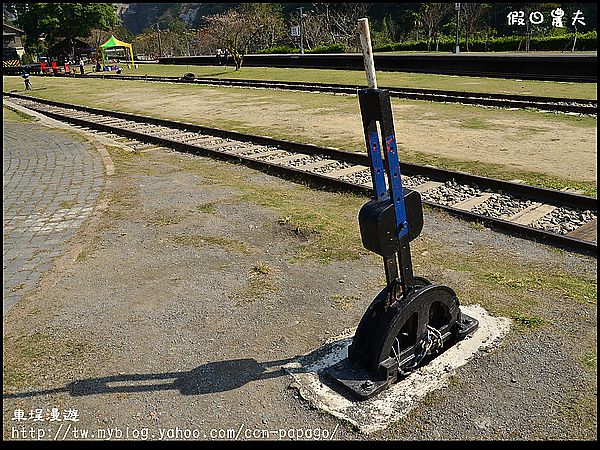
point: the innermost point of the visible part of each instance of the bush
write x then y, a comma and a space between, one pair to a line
553, 42
331, 48
26, 59
585, 41
280, 49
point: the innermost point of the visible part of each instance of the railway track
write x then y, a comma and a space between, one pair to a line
559, 218
554, 104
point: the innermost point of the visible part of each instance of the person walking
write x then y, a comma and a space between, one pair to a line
25, 76
81, 67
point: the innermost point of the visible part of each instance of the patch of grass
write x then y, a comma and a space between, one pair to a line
37, 253
502, 172
327, 233
576, 289
120, 155
502, 283
527, 321
261, 268
15, 115
208, 208
84, 255
330, 232
344, 302
31, 359
258, 285
199, 241
210, 171
520, 281
67, 204
163, 218
476, 123
122, 202
89, 249
477, 226
590, 360
580, 408
454, 381
18, 287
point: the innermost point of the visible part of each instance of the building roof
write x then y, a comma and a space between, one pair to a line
5, 25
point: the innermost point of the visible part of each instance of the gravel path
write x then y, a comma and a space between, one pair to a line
165, 321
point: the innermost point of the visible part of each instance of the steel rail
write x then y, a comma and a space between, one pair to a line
547, 196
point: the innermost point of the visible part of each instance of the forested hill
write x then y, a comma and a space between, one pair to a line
401, 17
138, 16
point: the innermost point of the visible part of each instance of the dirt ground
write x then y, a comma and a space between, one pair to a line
552, 144
195, 285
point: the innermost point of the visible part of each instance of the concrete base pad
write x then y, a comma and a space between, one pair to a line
396, 402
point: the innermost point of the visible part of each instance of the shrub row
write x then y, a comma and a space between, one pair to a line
332, 48
585, 41
279, 49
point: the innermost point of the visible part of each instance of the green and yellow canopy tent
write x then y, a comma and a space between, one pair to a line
113, 42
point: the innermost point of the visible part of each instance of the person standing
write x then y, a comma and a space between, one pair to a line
226, 56
81, 67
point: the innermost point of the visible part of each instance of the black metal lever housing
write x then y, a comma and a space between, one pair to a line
377, 222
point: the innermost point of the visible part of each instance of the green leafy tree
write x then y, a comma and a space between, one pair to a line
383, 36
56, 22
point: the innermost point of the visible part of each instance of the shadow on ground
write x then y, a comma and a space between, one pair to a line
212, 377
208, 378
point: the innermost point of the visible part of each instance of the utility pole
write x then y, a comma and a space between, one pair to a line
187, 40
301, 31
457, 8
159, 44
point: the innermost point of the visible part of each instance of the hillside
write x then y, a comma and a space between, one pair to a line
138, 16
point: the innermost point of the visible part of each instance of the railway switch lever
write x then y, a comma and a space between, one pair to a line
411, 320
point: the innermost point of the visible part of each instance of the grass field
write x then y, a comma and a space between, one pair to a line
549, 150
389, 79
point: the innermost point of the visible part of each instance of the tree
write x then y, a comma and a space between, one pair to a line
385, 35
314, 30
472, 18
340, 20
242, 29
275, 29
68, 21
431, 16
12, 11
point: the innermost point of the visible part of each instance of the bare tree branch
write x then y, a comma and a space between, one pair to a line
431, 16
244, 29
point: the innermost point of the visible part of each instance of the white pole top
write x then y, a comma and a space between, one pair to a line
365, 42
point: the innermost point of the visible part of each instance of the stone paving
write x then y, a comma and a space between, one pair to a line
51, 181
